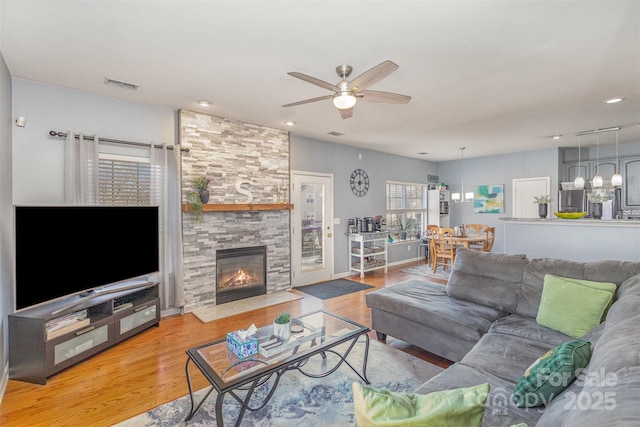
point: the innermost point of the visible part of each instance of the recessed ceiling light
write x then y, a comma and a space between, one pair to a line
614, 100
289, 123
422, 153
556, 136
204, 103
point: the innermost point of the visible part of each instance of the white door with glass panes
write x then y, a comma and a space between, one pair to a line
311, 228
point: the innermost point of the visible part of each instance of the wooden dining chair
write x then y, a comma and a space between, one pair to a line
489, 238
432, 234
444, 250
476, 229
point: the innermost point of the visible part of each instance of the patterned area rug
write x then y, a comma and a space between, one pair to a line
427, 271
300, 400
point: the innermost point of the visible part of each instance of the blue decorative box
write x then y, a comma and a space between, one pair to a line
242, 348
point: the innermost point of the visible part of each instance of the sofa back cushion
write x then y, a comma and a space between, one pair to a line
487, 278
598, 271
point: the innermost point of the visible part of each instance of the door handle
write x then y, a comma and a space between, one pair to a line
328, 234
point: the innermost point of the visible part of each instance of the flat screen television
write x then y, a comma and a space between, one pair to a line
69, 250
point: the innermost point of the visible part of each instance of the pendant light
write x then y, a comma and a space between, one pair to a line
596, 182
616, 179
579, 181
462, 197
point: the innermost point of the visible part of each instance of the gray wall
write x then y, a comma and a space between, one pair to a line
496, 170
313, 155
38, 159
6, 220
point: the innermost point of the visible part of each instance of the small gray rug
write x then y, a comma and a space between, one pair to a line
427, 271
333, 288
300, 400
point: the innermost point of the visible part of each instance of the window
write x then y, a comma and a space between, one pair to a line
124, 180
407, 201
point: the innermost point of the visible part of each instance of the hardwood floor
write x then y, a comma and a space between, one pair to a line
148, 369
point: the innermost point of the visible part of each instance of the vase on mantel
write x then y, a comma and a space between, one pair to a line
204, 196
596, 210
542, 210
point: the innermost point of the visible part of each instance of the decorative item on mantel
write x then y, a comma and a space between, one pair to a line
543, 204
194, 205
282, 188
240, 189
201, 183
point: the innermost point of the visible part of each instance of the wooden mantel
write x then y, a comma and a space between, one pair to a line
234, 207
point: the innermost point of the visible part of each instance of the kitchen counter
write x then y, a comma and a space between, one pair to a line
580, 222
582, 239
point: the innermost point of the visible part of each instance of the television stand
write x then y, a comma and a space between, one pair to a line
46, 339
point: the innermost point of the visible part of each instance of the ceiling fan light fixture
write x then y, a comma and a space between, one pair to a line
344, 100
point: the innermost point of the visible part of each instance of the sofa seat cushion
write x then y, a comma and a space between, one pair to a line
487, 278
506, 356
527, 328
429, 304
500, 410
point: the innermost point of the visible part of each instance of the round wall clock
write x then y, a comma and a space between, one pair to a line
359, 182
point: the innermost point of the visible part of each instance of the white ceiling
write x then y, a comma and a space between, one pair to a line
494, 76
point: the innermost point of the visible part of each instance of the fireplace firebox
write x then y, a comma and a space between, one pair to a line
240, 273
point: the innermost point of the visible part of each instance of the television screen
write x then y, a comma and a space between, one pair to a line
67, 250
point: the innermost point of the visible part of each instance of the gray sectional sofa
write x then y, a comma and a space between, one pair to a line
484, 319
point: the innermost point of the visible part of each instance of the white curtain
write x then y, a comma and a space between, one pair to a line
81, 170
165, 193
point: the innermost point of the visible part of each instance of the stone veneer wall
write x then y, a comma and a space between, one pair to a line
227, 150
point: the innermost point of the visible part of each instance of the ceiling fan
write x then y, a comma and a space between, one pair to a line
346, 93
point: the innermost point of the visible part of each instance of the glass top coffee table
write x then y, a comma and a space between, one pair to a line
321, 333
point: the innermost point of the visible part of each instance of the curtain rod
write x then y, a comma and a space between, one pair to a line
116, 141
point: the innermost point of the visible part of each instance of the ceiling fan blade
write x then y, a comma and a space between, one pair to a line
345, 114
306, 101
373, 75
314, 81
387, 97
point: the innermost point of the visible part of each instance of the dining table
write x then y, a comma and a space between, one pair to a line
468, 239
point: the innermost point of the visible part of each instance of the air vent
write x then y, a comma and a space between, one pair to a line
333, 133
121, 84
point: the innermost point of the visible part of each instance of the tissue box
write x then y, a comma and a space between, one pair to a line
242, 348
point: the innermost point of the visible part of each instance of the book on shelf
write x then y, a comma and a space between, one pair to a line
68, 328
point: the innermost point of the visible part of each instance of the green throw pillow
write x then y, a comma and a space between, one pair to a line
551, 373
573, 306
458, 407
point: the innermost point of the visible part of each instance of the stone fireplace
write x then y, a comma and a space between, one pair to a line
228, 152
241, 273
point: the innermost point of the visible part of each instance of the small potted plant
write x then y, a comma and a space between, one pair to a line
597, 199
282, 326
403, 227
201, 183
543, 204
